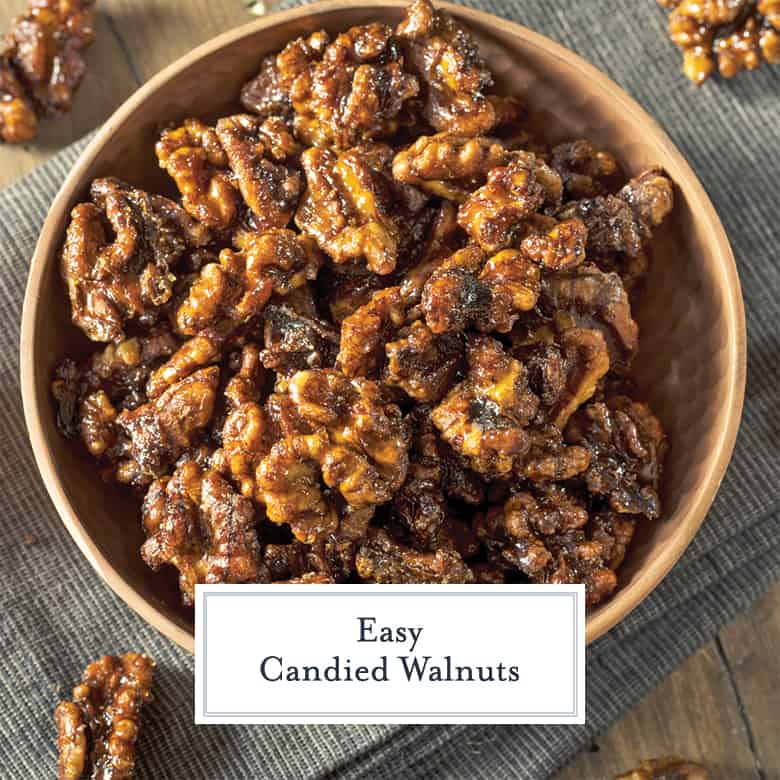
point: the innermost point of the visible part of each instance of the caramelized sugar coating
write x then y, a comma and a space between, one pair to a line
356, 91
256, 153
449, 165
727, 35
381, 559
196, 522
667, 768
97, 731
119, 254
151, 437
234, 290
485, 416
378, 308
627, 444
545, 537
493, 214
41, 65
193, 156
351, 206
455, 78
585, 170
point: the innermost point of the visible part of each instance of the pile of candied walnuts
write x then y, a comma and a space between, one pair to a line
384, 334
730, 35
41, 65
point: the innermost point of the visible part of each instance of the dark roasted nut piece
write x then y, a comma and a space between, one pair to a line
584, 169
734, 35
455, 77
549, 459
160, 431
485, 416
352, 207
560, 247
365, 332
668, 768
97, 731
543, 538
230, 293
449, 165
112, 282
380, 559
245, 432
294, 342
467, 292
196, 161
195, 521
44, 49
587, 297
627, 446
355, 92
422, 363
267, 93
18, 120
614, 531
494, 214
256, 152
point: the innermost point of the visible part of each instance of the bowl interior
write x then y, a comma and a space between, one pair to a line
690, 316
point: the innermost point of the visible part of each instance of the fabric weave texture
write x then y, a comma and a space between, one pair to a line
56, 614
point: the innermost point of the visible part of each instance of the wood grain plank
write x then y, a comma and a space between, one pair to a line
156, 32
751, 645
693, 713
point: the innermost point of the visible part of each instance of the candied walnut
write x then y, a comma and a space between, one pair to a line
732, 35
549, 459
627, 446
256, 152
196, 161
564, 369
494, 214
355, 92
358, 417
668, 768
542, 537
359, 447
422, 363
346, 288
351, 206
110, 283
294, 342
380, 559
267, 94
310, 578
615, 532
449, 165
246, 428
584, 170
465, 291
162, 429
288, 483
197, 352
236, 289
365, 332
588, 298
445, 58
44, 49
560, 247
485, 416
18, 120
285, 561
97, 731
97, 423
194, 521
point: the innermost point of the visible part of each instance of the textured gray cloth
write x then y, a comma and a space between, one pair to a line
56, 614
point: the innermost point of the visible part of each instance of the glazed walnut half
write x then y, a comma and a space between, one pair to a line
98, 729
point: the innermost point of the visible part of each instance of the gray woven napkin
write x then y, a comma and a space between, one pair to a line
56, 614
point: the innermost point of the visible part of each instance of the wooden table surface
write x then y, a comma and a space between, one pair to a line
722, 706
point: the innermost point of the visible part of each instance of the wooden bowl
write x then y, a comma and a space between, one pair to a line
692, 363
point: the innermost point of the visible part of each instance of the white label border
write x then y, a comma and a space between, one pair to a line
576, 594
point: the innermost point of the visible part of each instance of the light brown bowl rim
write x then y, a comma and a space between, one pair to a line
645, 581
